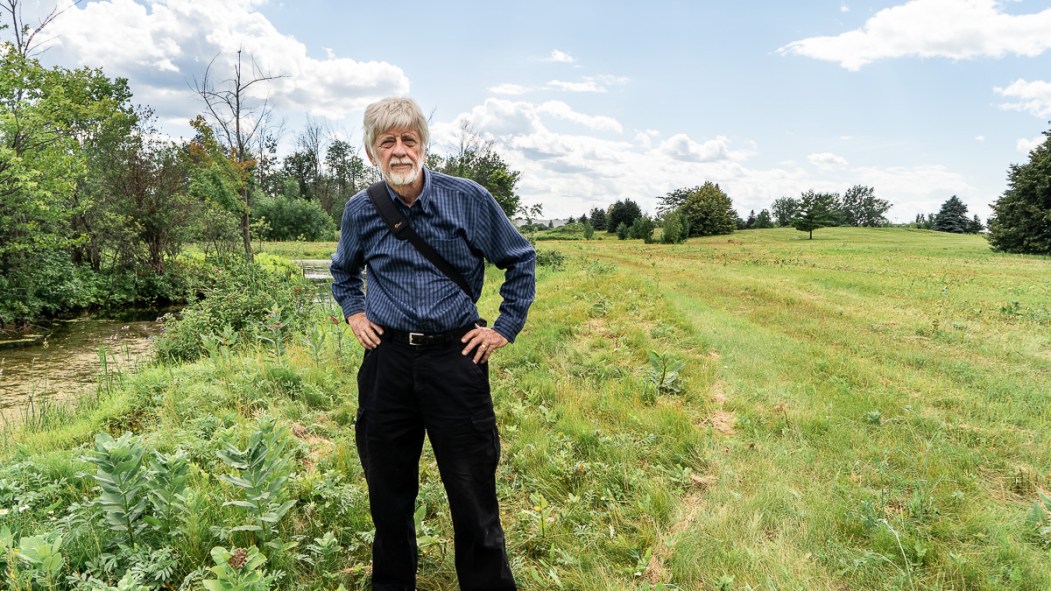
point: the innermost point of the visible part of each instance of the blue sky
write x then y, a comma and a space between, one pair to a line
599, 101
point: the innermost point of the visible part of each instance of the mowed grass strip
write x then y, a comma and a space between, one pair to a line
889, 396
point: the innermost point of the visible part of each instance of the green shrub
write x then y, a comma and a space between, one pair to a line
293, 219
257, 304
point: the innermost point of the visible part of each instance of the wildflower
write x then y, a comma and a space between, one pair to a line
4, 511
238, 558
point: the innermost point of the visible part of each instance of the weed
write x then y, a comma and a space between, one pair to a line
238, 570
121, 481
263, 470
664, 373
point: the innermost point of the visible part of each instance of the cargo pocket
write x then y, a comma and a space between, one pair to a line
485, 429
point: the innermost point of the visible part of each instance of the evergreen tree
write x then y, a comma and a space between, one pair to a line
622, 231
1021, 221
952, 217
623, 212
598, 219
976, 226
815, 211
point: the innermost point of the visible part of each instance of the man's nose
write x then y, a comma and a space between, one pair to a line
399, 148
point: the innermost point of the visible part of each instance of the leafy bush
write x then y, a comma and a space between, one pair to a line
243, 298
293, 219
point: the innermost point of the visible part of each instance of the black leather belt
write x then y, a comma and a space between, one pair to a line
423, 339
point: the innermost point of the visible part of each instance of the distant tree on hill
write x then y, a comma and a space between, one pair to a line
976, 225
763, 220
1021, 221
785, 210
750, 222
674, 230
861, 207
642, 229
624, 212
708, 211
952, 217
816, 210
598, 219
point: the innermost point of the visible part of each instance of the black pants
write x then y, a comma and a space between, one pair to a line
404, 391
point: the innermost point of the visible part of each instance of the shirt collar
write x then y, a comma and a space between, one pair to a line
421, 201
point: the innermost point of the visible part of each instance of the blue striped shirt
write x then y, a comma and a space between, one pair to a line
406, 292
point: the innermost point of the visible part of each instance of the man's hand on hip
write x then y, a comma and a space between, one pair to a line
366, 331
483, 341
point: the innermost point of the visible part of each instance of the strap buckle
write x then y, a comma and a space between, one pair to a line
413, 336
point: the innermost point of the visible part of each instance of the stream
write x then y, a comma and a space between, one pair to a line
67, 362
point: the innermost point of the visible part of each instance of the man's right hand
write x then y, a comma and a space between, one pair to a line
366, 331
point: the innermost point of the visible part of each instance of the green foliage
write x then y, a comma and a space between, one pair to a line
1021, 221
240, 298
785, 210
121, 482
861, 207
664, 372
598, 219
674, 230
763, 220
708, 210
1039, 520
166, 481
551, 259
589, 230
293, 219
952, 217
263, 471
622, 231
624, 212
478, 161
42, 556
239, 570
642, 229
816, 210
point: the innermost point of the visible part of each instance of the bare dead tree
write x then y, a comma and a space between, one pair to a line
26, 38
237, 120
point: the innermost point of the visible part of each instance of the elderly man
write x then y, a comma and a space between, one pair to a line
425, 367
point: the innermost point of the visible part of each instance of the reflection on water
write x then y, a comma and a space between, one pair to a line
69, 361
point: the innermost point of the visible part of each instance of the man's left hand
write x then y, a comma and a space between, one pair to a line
483, 341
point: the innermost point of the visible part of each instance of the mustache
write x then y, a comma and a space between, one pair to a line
394, 161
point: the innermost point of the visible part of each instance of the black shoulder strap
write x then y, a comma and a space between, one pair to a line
400, 228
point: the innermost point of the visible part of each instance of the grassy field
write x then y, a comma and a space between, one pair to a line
867, 410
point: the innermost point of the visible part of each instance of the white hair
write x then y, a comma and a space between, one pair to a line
390, 113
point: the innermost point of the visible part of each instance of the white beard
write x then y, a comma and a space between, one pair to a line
406, 178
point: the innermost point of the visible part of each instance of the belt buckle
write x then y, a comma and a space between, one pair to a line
412, 336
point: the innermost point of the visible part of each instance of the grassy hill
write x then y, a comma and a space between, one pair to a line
867, 410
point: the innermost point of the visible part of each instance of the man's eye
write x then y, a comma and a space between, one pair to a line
387, 143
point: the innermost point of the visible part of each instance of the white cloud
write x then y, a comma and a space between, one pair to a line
590, 84
955, 29
563, 111
1025, 146
844, 8
979, 138
560, 57
508, 89
166, 44
681, 147
1032, 97
827, 160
